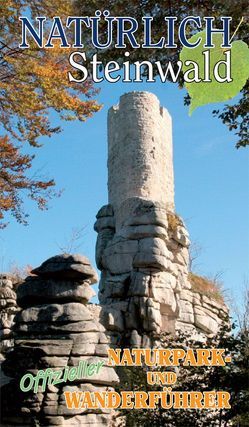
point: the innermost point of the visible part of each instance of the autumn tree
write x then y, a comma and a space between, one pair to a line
13, 181
33, 82
236, 116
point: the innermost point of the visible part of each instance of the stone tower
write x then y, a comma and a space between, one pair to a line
142, 245
140, 160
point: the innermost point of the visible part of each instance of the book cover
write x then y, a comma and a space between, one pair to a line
124, 213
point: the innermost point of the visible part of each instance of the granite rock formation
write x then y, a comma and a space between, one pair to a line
8, 310
56, 329
142, 251
144, 288
142, 246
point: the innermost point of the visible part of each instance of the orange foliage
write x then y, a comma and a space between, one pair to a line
13, 182
33, 82
206, 286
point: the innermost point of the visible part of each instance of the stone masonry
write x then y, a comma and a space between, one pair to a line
142, 247
140, 160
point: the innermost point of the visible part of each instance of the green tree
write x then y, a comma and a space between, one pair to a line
233, 378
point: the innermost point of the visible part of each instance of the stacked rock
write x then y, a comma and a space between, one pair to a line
142, 247
8, 307
140, 280
144, 288
56, 329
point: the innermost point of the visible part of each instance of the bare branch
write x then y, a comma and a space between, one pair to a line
74, 241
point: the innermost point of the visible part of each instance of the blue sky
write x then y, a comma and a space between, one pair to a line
211, 188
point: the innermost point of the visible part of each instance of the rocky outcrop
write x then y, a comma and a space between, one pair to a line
142, 247
142, 251
144, 287
56, 329
200, 313
8, 309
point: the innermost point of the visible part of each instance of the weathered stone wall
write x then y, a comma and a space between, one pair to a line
139, 152
56, 329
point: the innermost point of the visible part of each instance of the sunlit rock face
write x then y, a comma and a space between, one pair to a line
57, 328
142, 247
8, 309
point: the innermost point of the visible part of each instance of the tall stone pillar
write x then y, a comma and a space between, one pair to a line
140, 160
